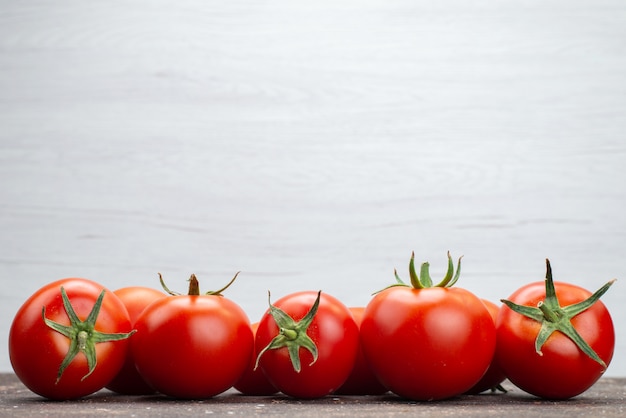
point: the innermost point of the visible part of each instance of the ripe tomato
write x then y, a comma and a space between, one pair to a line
362, 380
253, 381
136, 299
68, 339
549, 364
320, 324
192, 346
494, 375
428, 343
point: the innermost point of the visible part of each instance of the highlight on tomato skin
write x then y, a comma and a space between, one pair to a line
40, 348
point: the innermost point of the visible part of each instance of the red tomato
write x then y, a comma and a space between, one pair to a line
192, 346
253, 381
136, 299
494, 375
362, 380
558, 369
332, 331
428, 343
37, 349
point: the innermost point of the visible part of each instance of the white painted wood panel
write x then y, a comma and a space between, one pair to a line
312, 145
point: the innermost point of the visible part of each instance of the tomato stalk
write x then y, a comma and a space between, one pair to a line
292, 334
553, 317
194, 287
82, 334
424, 281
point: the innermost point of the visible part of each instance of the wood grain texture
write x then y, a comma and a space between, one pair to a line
605, 398
312, 145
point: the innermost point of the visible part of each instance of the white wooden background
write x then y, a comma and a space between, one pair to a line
312, 145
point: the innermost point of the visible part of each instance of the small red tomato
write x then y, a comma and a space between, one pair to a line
362, 380
428, 342
253, 381
311, 341
69, 339
136, 299
555, 339
192, 346
494, 375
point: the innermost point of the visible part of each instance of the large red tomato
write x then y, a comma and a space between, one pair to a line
425, 342
362, 380
68, 339
555, 339
310, 344
192, 346
136, 299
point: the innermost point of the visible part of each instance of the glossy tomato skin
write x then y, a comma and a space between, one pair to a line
362, 381
494, 375
335, 334
563, 371
136, 299
253, 381
36, 351
192, 347
427, 344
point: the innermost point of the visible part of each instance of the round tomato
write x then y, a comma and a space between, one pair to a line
136, 299
362, 380
425, 342
192, 346
311, 341
546, 363
494, 375
253, 381
69, 339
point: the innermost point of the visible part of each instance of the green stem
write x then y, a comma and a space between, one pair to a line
425, 273
424, 281
548, 314
82, 334
553, 317
194, 286
292, 335
83, 339
415, 281
219, 292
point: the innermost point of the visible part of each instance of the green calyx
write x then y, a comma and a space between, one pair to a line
194, 287
424, 281
292, 334
82, 334
553, 317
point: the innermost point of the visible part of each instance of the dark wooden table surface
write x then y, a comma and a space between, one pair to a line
606, 399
